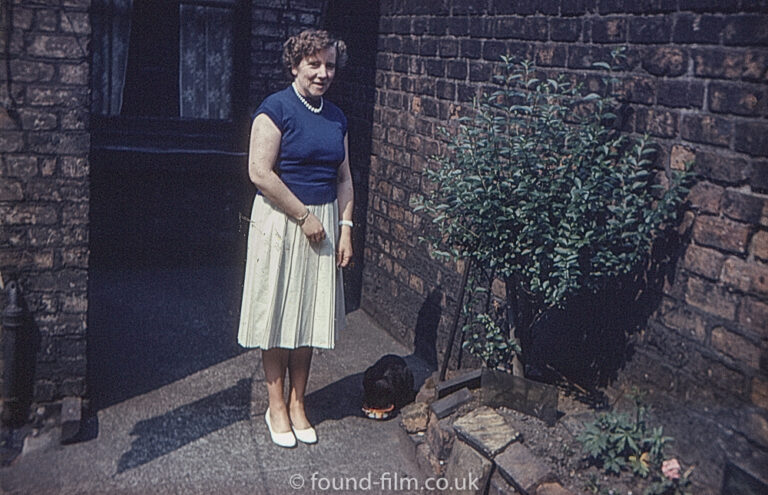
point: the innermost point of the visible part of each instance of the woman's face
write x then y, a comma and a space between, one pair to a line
314, 73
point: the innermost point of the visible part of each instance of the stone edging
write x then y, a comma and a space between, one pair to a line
478, 444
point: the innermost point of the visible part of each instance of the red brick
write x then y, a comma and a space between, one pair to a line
27, 260
11, 141
681, 157
721, 233
665, 61
75, 257
739, 99
650, 29
726, 378
702, 261
747, 30
706, 197
746, 207
56, 46
28, 215
31, 71
565, 29
48, 167
75, 22
678, 93
759, 175
50, 96
736, 346
47, 19
759, 245
718, 63
755, 66
609, 29
74, 166
637, 89
75, 303
750, 137
711, 298
759, 395
707, 129
417, 284
681, 317
697, 29
721, 167
745, 276
753, 314
73, 74
75, 214
657, 122
38, 119
10, 190
551, 55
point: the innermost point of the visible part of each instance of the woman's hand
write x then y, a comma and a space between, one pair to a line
344, 248
313, 229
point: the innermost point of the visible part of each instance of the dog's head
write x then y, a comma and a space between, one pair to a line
379, 394
379, 399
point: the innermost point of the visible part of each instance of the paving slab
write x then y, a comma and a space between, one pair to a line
521, 468
485, 430
204, 433
467, 471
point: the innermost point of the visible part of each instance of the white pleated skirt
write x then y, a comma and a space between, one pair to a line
293, 295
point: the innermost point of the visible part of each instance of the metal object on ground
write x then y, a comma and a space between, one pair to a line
12, 321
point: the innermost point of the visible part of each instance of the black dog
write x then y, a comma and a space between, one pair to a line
388, 386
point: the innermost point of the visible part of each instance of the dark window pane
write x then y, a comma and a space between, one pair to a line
152, 82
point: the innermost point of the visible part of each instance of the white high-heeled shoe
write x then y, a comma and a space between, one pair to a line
286, 439
307, 435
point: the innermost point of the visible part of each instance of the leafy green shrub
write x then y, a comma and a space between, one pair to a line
616, 442
540, 188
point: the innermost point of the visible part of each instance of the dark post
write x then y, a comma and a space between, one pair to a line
455, 325
13, 319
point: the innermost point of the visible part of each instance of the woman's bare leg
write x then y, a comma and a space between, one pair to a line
298, 371
275, 362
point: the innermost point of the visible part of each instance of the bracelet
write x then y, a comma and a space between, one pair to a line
348, 223
303, 218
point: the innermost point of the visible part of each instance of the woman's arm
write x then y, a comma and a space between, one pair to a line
346, 195
262, 156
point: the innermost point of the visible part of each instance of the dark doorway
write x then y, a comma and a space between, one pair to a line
166, 265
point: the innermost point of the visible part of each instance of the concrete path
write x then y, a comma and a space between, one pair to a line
205, 434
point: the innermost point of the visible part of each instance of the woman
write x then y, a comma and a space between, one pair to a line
301, 229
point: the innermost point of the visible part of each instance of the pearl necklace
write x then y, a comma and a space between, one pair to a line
306, 103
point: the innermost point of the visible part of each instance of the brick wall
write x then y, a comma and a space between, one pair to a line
695, 80
44, 144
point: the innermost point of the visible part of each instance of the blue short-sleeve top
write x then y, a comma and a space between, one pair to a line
311, 146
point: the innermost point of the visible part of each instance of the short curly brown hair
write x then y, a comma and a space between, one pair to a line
309, 42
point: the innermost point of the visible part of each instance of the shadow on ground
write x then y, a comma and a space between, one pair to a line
164, 434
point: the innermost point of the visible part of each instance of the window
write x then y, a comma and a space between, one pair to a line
177, 61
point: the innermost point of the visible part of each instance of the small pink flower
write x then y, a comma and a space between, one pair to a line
671, 469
